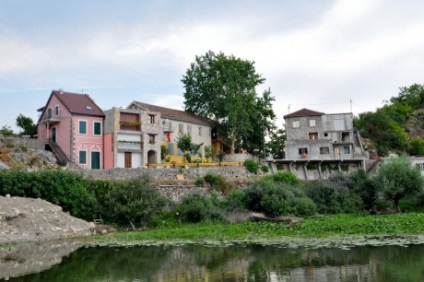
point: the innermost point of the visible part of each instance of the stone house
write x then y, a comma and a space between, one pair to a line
315, 135
71, 125
134, 136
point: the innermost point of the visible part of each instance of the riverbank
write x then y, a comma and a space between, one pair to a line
342, 231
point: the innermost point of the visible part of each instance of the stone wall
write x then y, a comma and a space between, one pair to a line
163, 173
30, 143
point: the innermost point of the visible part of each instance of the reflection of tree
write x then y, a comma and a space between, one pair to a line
105, 264
237, 263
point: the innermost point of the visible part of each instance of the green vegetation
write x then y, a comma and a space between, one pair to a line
6, 130
223, 88
251, 165
27, 125
184, 142
343, 225
397, 126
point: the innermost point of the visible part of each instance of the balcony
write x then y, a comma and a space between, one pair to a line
130, 145
130, 125
167, 127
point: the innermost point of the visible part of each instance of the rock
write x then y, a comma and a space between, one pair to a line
25, 219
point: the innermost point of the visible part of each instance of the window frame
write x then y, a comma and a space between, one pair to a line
346, 149
94, 128
296, 123
79, 127
56, 110
85, 157
314, 121
324, 150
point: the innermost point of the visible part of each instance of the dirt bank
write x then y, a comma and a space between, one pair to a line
25, 219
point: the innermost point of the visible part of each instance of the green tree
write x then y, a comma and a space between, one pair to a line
223, 88
6, 130
185, 143
412, 96
275, 147
27, 125
398, 178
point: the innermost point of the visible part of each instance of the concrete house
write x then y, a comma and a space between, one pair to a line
316, 135
133, 136
71, 125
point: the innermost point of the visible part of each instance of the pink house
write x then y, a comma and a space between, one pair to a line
72, 126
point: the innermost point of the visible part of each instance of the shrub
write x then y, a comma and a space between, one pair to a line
365, 187
199, 182
61, 187
235, 200
251, 165
24, 148
265, 168
217, 182
286, 177
397, 178
331, 197
278, 198
196, 208
136, 202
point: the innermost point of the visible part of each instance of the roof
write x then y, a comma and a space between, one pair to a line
174, 114
304, 113
75, 103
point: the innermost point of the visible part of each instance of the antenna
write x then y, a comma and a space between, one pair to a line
351, 105
288, 109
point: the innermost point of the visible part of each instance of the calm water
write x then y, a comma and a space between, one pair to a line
71, 262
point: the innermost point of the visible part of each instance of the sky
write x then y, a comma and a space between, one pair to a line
325, 55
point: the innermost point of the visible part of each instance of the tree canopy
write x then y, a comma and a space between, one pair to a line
397, 126
223, 88
27, 125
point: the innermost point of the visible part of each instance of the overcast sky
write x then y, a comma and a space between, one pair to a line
313, 54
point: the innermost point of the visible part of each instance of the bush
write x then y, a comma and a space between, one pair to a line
278, 198
286, 177
217, 182
196, 208
136, 202
265, 168
61, 187
235, 200
331, 197
365, 187
251, 166
199, 182
397, 178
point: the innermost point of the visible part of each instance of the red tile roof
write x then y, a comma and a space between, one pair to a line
76, 104
174, 114
304, 113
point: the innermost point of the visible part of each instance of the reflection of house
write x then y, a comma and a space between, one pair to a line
315, 135
71, 125
133, 136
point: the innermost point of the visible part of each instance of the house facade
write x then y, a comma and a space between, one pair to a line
133, 136
71, 125
319, 136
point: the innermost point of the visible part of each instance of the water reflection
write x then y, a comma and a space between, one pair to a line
234, 263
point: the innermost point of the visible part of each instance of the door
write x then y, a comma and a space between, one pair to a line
54, 134
95, 160
128, 160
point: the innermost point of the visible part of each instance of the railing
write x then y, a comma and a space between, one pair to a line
62, 159
173, 164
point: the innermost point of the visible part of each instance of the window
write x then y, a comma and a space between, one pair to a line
312, 123
180, 128
152, 119
200, 131
346, 150
296, 124
82, 127
325, 134
189, 129
151, 138
97, 128
324, 150
82, 157
313, 136
56, 110
49, 113
303, 151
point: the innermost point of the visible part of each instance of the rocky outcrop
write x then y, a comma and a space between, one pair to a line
24, 219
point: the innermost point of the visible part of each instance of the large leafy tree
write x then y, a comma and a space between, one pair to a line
275, 146
223, 88
27, 125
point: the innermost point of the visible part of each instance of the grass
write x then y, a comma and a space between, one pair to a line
319, 227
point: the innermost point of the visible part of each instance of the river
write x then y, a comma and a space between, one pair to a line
72, 261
